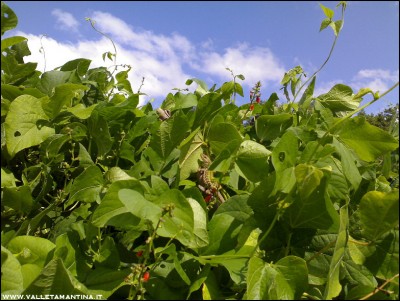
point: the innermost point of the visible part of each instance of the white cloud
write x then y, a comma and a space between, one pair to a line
65, 20
255, 63
166, 62
375, 79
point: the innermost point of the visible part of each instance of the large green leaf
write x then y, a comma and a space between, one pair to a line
381, 258
221, 134
55, 279
285, 280
350, 170
86, 187
269, 127
32, 253
207, 107
368, 141
26, 124
19, 198
11, 273
183, 101
252, 160
63, 96
339, 99
295, 271
99, 130
316, 209
80, 65
379, 213
124, 202
285, 152
9, 19
187, 222
8, 42
333, 286
172, 132
11, 92
190, 155
225, 225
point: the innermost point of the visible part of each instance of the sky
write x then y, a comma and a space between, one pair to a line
168, 42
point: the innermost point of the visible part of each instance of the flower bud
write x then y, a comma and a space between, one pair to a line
146, 276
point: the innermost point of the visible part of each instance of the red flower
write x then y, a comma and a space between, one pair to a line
139, 253
251, 107
258, 99
208, 198
146, 276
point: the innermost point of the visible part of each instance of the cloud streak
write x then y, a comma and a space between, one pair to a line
65, 21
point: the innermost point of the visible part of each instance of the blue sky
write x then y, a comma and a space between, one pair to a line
168, 42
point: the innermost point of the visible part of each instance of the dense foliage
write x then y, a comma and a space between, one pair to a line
197, 199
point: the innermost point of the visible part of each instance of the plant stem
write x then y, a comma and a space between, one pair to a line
326, 61
379, 288
266, 233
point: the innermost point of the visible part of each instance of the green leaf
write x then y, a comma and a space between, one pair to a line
105, 281
81, 111
8, 42
285, 152
63, 95
327, 11
115, 174
269, 127
11, 92
201, 89
221, 134
333, 286
99, 130
379, 213
190, 155
295, 271
7, 178
207, 107
316, 211
86, 187
172, 132
81, 66
368, 141
338, 27
11, 273
33, 253
183, 101
382, 258
350, 170
26, 124
276, 281
308, 179
306, 99
18, 198
9, 19
222, 163
226, 224
339, 98
252, 160
51, 79
55, 279
125, 197
187, 222
325, 23
107, 255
